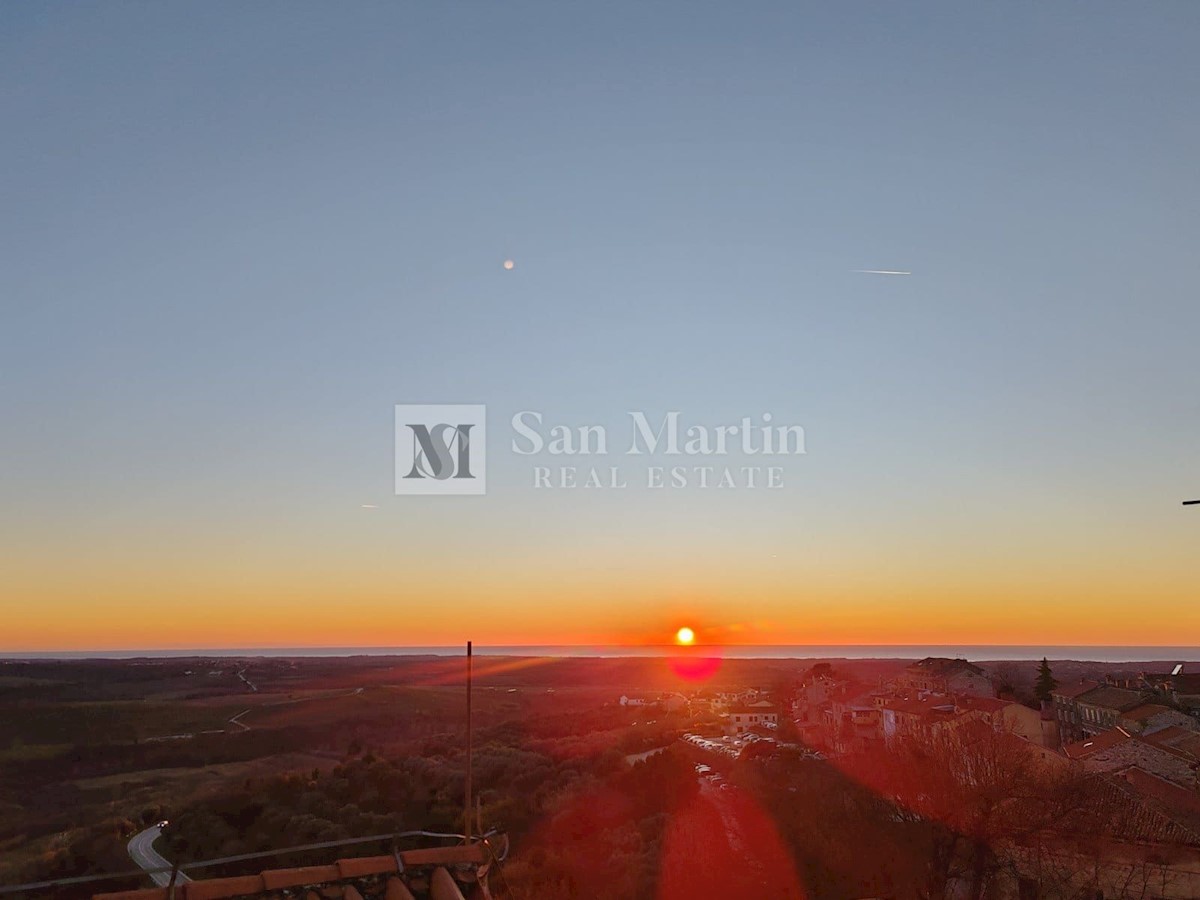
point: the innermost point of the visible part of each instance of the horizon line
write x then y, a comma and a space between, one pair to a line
351, 649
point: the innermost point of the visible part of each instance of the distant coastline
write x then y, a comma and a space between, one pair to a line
979, 652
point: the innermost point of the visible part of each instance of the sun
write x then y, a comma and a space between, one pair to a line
685, 635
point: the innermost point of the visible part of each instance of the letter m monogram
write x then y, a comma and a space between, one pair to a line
433, 455
441, 449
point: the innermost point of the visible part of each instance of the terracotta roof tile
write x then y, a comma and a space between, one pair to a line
1103, 741
284, 878
1120, 809
1182, 740
221, 888
1108, 697
1070, 691
442, 886
1144, 712
366, 865
982, 704
1178, 800
397, 890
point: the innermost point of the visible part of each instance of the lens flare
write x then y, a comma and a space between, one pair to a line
694, 668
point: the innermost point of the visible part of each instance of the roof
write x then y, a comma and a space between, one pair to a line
957, 703
1127, 809
361, 878
1180, 739
1070, 691
754, 710
1178, 802
1105, 740
968, 703
864, 700
912, 706
1116, 750
1108, 697
1145, 712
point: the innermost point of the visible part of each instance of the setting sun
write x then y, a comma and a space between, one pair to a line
685, 635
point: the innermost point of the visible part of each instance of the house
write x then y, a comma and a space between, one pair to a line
813, 699
1148, 718
946, 676
1174, 737
921, 717
854, 722
1070, 723
903, 717
926, 714
820, 688
1038, 726
1101, 707
672, 702
747, 716
1133, 835
1117, 750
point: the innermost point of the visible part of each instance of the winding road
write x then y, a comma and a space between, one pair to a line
141, 851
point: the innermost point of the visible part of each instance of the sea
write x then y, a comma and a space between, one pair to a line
988, 652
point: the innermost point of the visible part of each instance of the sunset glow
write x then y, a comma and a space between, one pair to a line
685, 636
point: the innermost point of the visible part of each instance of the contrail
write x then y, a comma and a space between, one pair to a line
881, 272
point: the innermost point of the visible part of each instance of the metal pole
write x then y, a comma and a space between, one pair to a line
1190, 502
470, 750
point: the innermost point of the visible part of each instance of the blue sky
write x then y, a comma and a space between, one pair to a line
236, 235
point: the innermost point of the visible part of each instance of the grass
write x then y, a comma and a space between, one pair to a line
19, 751
109, 721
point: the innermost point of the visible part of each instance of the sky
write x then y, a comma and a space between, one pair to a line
236, 236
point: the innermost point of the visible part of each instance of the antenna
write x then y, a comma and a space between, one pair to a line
1191, 502
467, 797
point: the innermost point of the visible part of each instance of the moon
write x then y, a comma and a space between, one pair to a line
509, 265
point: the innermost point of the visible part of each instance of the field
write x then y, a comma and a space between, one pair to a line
92, 750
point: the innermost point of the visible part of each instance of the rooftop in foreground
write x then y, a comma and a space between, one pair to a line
438, 873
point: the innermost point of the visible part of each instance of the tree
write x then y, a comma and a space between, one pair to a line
1045, 683
977, 792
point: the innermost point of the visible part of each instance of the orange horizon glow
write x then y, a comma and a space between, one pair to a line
80, 636
221, 613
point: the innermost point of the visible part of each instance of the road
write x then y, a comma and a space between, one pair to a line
141, 851
237, 720
636, 757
